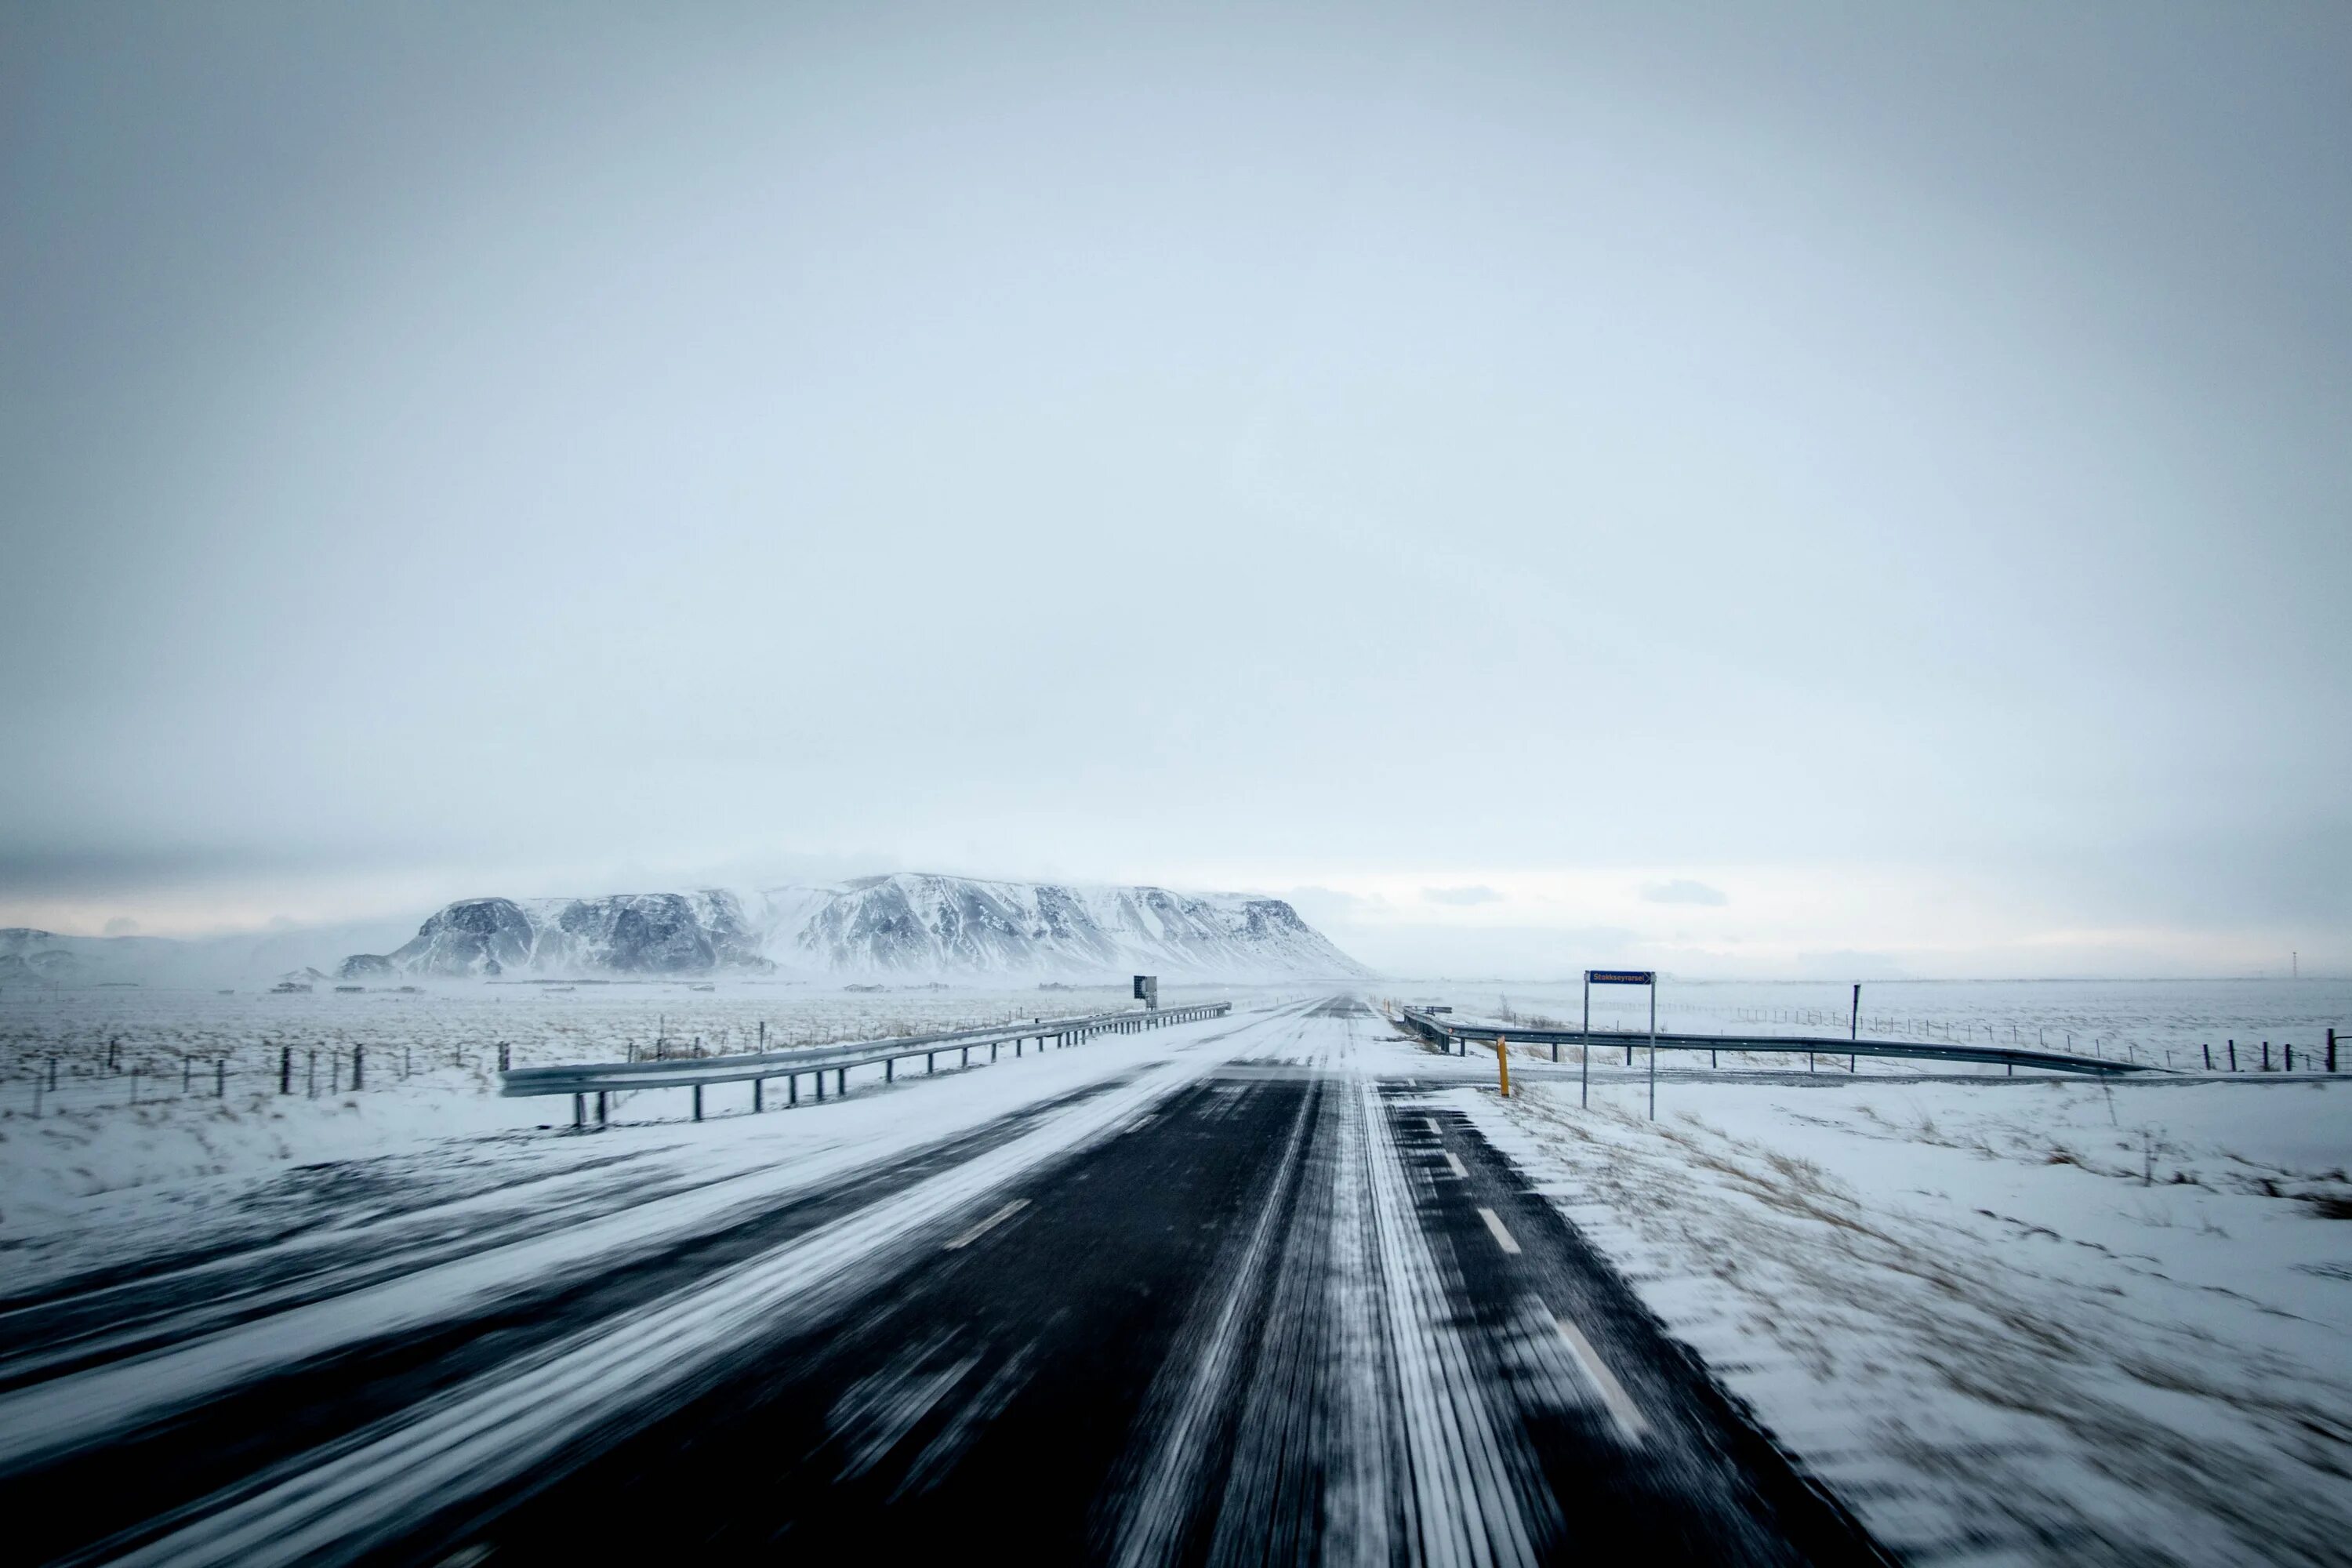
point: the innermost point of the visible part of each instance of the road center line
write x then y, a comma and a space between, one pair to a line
1604, 1383
991, 1223
1454, 1161
1503, 1238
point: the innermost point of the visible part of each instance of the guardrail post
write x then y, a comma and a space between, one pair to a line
600, 1108
792, 1088
889, 1069
697, 1102
579, 1110
841, 1083
2266, 1056
2331, 1048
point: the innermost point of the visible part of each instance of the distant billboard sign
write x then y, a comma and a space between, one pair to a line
1147, 987
1621, 977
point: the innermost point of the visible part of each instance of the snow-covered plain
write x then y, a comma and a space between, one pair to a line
2040, 1320
2159, 1022
62, 1152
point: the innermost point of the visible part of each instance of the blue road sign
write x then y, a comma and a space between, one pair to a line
1621, 977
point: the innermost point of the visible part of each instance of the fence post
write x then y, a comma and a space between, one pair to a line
506, 1056
2290, 1058
2331, 1048
2266, 1056
2208, 1049
311, 1085
359, 1068
284, 1069
889, 1069
52, 1074
220, 1078
2234, 1056
187, 1066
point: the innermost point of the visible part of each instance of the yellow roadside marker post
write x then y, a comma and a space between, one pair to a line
1503, 1061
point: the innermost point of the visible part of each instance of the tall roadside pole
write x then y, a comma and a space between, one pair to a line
1653, 1046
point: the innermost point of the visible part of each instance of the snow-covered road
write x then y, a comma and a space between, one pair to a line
1248, 1288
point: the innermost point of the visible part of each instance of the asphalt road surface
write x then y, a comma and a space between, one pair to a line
1249, 1296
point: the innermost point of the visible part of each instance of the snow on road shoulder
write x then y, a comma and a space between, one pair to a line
2030, 1322
85, 1191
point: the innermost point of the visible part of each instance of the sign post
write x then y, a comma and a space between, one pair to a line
1648, 977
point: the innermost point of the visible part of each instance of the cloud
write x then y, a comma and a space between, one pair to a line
1682, 891
1471, 895
122, 925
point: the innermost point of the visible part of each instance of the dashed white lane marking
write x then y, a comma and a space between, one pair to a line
1630, 1424
991, 1223
1434, 1130
1455, 1162
1503, 1238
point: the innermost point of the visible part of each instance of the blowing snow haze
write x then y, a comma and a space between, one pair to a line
1875, 474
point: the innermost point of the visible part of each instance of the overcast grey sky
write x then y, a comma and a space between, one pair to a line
1729, 485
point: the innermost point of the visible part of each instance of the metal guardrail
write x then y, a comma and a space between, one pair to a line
1457, 1037
603, 1078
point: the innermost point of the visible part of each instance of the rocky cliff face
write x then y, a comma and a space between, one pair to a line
628, 933
908, 926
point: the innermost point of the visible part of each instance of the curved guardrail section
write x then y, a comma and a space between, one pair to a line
602, 1078
1455, 1037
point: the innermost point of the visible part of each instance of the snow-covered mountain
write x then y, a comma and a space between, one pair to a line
909, 926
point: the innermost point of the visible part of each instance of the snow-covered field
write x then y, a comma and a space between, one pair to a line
2038, 1319
2161, 1022
430, 1070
